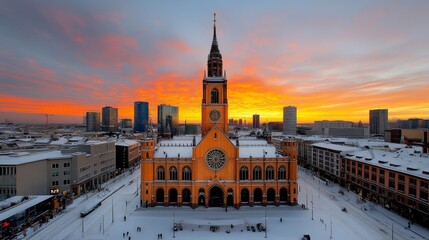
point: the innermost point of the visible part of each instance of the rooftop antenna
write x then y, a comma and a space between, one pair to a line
47, 117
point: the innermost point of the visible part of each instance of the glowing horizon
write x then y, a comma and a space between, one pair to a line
333, 62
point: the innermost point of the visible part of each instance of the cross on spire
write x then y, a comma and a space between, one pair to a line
214, 18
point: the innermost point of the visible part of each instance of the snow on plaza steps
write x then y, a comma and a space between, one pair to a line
363, 220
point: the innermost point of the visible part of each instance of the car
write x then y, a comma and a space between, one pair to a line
248, 227
260, 227
253, 229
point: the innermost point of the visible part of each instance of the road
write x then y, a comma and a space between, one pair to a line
69, 224
372, 215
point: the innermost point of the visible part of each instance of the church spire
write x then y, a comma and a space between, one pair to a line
214, 63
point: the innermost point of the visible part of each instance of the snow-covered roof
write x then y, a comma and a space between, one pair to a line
186, 140
256, 151
60, 141
251, 142
126, 142
42, 141
32, 201
173, 152
16, 158
334, 147
77, 139
404, 160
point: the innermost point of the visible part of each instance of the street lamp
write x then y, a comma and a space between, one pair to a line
266, 228
174, 222
311, 206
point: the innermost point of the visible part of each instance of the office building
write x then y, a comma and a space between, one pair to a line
289, 120
141, 116
109, 119
92, 121
168, 120
126, 123
378, 121
256, 123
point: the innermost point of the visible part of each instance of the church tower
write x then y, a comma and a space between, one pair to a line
214, 108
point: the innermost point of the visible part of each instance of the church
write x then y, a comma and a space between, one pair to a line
211, 169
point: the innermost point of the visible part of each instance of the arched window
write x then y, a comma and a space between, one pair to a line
186, 174
257, 173
269, 173
214, 96
282, 173
161, 175
244, 173
173, 173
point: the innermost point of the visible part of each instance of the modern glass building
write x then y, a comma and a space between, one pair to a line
141, 116
168, 116
109, 119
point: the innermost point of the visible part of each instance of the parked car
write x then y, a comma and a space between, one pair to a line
248, 227
253, 229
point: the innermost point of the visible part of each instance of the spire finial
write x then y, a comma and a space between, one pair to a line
214, 18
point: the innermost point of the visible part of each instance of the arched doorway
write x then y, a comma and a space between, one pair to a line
271, 195
257, 195
244, 195
230, 198
216, 197
283, 195
201, 197
172, 196
160, 195
186, 196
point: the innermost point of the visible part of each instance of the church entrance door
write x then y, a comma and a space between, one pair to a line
216, 197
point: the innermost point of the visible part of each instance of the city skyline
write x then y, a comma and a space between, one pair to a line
331, 61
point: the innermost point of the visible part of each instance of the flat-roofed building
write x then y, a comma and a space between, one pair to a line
397, 180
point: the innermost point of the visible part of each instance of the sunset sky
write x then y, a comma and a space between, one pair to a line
331, 59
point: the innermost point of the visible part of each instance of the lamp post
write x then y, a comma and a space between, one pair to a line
174, 222
312, 206
266, 227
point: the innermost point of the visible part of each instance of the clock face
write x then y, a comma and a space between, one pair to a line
215, 159
214, 115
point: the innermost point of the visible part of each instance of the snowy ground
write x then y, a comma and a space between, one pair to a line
329, 222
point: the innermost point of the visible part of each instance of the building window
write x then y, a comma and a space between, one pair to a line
173, 173
186, 174
55, 165
269, 173
66, 164
244, 173
54, 183
161, 174
282, 173
66, 182
66, 173
54, 174
257, 173
214, 96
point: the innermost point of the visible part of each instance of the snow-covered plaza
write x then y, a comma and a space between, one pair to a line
324, 219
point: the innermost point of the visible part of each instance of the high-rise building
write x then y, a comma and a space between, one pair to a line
289, 120
92, 121
126, 123
168, 119
378, 121
256, 123
109, 119
141, 116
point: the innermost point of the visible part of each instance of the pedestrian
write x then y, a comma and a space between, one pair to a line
128, 233
409, 225
123, 235
125, 218
129, 238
